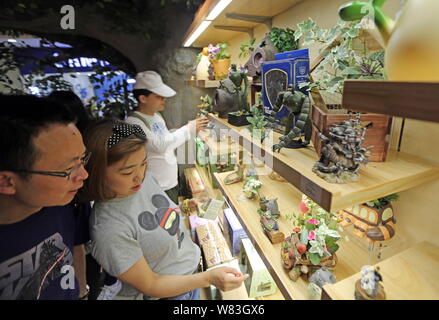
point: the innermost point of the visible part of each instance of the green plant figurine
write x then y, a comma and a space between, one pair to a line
258, 124
251, 187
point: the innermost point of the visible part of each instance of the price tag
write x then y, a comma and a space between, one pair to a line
311, 189
213, 209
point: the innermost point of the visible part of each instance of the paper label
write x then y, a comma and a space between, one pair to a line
214, 208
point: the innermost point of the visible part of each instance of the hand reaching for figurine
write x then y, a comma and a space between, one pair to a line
198, 124
202, 123
226, 278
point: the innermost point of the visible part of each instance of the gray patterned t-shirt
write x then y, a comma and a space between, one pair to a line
145, 224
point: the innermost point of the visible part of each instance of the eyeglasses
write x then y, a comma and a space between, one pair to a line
65, 174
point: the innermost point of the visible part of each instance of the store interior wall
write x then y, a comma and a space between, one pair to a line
417, 210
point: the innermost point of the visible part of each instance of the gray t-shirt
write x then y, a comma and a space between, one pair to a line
147, 224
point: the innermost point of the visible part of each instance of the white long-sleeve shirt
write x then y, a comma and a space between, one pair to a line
161, 145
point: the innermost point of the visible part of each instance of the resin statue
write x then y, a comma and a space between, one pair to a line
369, 287
299, 105
342, 153
231, 96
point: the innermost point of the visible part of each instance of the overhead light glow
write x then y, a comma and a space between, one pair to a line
12, 40
203, 26
220, 6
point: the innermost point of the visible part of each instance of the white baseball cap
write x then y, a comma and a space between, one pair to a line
152, 81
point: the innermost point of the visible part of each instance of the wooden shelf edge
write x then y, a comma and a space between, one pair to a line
415, 100
337, 198
207, 84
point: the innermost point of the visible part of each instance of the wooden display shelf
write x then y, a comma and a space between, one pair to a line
202, 83
221, 147
350, 256
400, 172
409, 275
211, 191
258, 8
241, 292
415, 100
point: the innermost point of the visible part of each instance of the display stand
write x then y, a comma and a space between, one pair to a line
400, 172
409, 275
351, 257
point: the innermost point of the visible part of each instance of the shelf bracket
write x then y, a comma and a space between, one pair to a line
246, 17
239, 29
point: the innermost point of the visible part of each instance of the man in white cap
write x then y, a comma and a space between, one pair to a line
151, 93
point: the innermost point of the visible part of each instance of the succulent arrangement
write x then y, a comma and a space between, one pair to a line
251, 187
258, 125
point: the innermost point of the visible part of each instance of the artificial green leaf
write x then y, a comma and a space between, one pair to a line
353, 33
309, 226
320, 69
250, 119
332, 248
352, 71
304, 236
335, 81
314, 258
303, 85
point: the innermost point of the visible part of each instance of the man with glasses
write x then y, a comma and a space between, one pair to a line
41, 170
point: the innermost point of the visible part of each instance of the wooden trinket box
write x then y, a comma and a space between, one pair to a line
376, 136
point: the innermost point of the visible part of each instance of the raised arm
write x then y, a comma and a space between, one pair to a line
172, 140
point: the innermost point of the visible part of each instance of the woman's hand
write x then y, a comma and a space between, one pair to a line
226, 278
193, 203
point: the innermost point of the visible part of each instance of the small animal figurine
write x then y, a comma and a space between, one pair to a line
369, 287
271, 228
316, 282
270, 205
322, 276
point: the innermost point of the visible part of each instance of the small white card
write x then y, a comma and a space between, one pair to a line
215, 206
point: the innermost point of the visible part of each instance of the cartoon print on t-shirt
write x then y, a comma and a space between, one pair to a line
165, 217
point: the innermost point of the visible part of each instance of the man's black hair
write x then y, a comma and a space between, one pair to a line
141, 92
22, 117
74, 104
